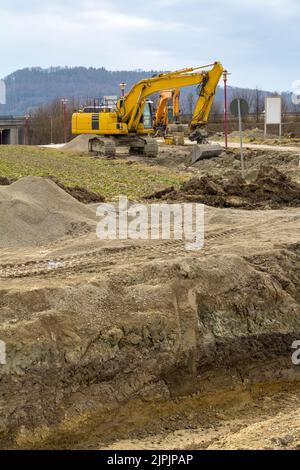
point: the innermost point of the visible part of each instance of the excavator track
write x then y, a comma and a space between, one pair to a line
146, 146
102, 146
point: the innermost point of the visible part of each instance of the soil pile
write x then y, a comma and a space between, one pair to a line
270, 189
5, 181
79, 143
82, 194
35, 211
78, 192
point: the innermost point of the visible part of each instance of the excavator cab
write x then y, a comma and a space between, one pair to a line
147, 116
170, 114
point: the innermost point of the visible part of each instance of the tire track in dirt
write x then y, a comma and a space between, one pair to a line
109, 257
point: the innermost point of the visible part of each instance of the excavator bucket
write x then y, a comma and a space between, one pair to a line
173, 128
204, 151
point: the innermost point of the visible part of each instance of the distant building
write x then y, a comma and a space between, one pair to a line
110, 101
12, 130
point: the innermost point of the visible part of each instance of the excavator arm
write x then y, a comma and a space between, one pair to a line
176, 105
162, 107
162, 112
204, 103
131, 106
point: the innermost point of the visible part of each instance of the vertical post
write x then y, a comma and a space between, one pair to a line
27, 117
280, 119
225, 77
64, 103
51, 130
241, 138
65, 121
1, 130
265, 129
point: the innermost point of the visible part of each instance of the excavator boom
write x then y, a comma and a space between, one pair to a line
130, 107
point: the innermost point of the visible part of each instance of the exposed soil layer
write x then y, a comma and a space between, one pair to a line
141, 343
270, 189
78, 192
102, 346
5, 181
262, 417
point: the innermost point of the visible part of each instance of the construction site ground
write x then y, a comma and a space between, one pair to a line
124, 344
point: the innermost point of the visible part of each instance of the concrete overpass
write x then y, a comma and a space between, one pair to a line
12, 130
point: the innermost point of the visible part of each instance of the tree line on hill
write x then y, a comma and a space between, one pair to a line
31, 88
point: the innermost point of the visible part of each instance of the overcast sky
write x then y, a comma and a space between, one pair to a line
257, 40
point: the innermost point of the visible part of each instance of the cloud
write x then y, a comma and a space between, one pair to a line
258, 41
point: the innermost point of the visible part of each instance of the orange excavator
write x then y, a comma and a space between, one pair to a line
168, 109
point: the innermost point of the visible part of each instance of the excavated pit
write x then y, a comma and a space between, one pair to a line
113, 341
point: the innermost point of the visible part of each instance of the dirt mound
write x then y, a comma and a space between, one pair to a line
79, 143
5, 181
78, 192
250, 134
270, 189
83, 195
35, 211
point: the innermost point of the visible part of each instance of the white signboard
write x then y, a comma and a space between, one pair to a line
273, 110
2, 92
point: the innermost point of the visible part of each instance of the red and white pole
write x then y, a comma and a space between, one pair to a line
225, 78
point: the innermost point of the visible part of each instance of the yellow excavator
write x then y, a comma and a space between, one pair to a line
131, 122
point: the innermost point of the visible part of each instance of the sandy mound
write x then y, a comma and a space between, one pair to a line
79, 143
80, 193
271, 189
35, 211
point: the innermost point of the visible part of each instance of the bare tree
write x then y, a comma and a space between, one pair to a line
47, 123
285, 104
258, 102
190, 102
245, 94
216, 109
